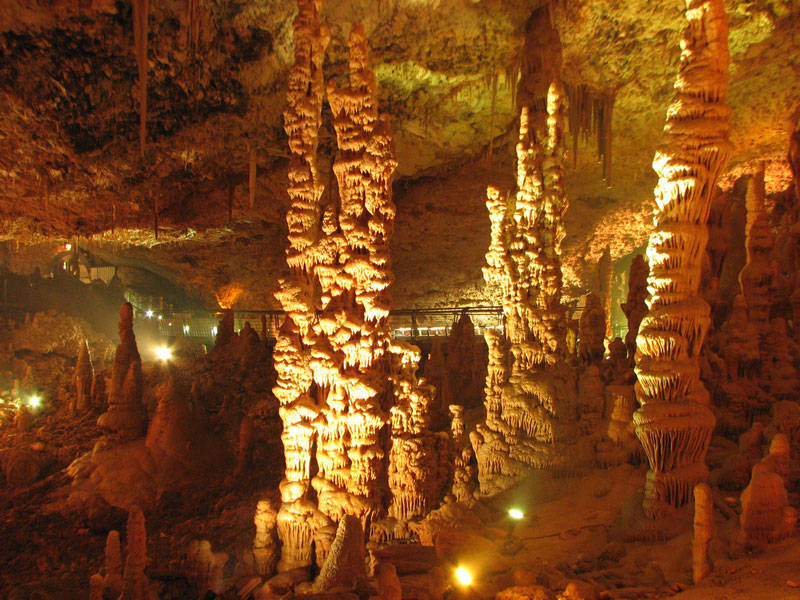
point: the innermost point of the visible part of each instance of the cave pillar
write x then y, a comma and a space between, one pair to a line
674, 422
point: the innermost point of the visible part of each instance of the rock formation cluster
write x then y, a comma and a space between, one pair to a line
518, 469
529, 398
338, 371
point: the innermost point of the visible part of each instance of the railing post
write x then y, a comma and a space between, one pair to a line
413, 324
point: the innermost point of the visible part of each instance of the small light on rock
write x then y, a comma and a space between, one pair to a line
516, 513
464, 576
163, 353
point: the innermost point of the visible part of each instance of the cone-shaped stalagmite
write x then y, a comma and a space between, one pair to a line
674, 422
125, 418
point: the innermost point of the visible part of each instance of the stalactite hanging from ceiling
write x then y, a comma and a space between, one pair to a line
141, 11
674, 422
193, 18
590, 113
252, 172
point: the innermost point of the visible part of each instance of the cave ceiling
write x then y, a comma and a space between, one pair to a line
70, 163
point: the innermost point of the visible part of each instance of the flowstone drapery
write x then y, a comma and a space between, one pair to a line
529, 396
334, 357
674, 422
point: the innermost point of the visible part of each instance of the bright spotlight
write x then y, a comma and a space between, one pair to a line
516, 514
185, 329
160, 317
68, 246
149, 314
34, 401
163, 353
464, 576
214, 331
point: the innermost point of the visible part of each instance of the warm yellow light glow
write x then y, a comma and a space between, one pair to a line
464, 576
68, 246
149, 314
515, 513
228, 295
163, 353
34, 401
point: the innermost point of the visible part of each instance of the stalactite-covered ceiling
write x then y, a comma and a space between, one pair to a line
216, 86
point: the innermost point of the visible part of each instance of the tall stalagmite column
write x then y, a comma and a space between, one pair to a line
534, 397
674, 422
756, 276
292, 353
334, 357
359, 304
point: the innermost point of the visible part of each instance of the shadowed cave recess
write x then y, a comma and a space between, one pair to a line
399, 299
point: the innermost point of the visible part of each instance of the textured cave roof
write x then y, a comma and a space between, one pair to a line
68, 125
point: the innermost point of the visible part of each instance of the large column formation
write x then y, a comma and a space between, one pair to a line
293, 351
354, 319
334, 357
674, 422
534, 398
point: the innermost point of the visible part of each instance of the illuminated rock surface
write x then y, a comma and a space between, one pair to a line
324, 386
674, 422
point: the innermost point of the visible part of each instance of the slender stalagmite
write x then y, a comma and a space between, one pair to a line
674, 422
84, 375
605, 273
703, 532
635, 307
756, 275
